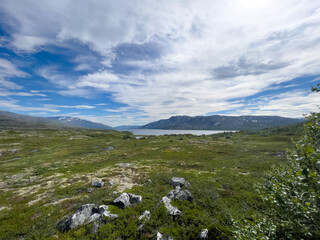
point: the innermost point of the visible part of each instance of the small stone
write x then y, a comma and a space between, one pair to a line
161, 236
145, 216
98, 183
89, 190
111, 184
203, 235
110, 148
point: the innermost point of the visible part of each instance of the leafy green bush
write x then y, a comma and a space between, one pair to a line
291, 194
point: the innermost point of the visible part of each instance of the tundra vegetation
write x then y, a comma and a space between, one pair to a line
45, 175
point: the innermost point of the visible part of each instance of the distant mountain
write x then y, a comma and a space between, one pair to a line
78, 122
9, 120
220, 122
124, 127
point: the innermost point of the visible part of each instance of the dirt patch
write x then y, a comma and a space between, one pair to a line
59, 201
39, 198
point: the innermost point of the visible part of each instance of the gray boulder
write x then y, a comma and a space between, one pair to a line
203, 235
181, 182
126, 200
98, 183
179, 194
174, 211
80, 217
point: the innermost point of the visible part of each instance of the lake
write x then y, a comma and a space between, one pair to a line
160, 132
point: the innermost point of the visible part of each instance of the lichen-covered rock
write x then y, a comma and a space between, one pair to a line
181, 182
174, 211
127, 199
98, 183
80, 217
179, 194
203, 235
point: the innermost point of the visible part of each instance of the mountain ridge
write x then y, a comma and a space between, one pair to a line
221, 122
10, 120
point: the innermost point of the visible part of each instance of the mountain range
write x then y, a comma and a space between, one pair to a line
220, 122
9, 120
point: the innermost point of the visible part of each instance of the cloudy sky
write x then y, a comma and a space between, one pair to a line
132, 62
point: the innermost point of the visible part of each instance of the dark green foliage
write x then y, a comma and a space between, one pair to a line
291, 194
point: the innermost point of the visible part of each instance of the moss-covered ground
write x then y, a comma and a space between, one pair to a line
44, 176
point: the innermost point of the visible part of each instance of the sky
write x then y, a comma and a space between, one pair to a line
133, 62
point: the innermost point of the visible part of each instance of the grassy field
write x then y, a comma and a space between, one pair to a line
45, 174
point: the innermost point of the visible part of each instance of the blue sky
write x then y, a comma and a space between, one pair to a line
133, 62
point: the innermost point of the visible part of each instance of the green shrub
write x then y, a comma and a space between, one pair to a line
291, 193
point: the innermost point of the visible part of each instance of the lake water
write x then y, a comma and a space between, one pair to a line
160, 132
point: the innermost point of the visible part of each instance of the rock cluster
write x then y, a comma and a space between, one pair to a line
176, 194
89, 213
84, 215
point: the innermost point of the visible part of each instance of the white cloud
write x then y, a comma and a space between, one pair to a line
75, 106
8, 70
213, 53
12, 105
291, 104
5, 93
